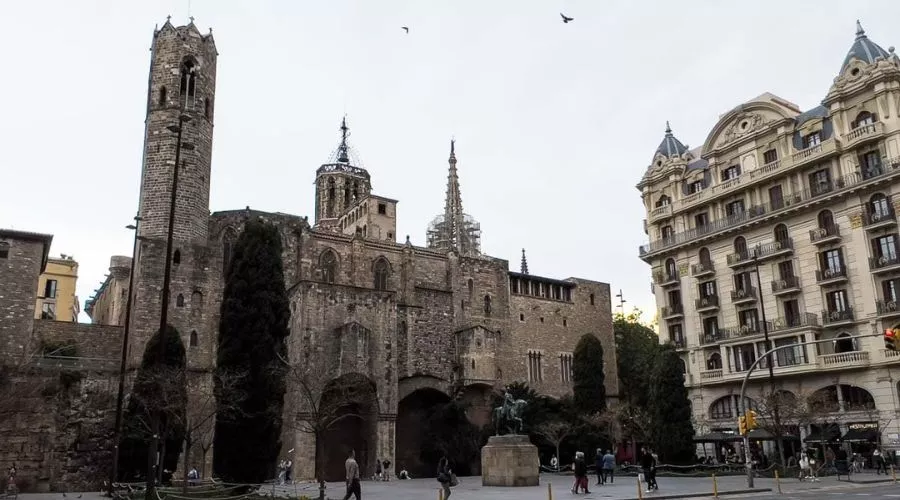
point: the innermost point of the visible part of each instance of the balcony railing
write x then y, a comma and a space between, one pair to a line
739, 258
814, 152
802, 320
660, 212
837, 316
891, 166
786, 284
672, 311
862, 133
773, 248
887, 307
883, 262
702, 269
747, 294
678, 342
879, 218
664, 278
852, 358
711, 374
831, 275
707, 302
733, 332
824, 234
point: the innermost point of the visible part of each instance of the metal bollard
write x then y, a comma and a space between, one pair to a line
893, 473
778, 482
640, 491
440, 494
549, 491
715, 487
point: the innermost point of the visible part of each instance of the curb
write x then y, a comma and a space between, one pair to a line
870, 481
651, 496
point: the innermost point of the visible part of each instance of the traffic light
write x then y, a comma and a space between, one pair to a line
890, 340
751, 420
742, 425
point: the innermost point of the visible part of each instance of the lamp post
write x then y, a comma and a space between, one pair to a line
120, 399
153, 451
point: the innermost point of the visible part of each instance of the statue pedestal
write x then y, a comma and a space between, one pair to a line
510, 460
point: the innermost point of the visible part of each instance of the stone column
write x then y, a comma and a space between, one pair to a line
386, 446
304, 454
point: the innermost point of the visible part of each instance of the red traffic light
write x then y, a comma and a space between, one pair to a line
889, 333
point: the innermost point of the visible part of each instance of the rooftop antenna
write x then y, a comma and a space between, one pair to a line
622, 301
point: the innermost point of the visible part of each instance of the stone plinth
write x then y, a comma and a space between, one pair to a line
510, 461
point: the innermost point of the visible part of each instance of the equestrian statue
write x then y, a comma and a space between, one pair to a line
509, 413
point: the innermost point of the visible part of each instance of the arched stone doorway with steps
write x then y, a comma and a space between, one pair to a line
350, 401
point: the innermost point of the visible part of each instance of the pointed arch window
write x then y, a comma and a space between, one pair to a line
194, 341
487, 305
179, 302
188, 88
328, 265
381, 271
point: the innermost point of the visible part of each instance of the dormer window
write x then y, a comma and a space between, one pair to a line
695, 187
863, 119
812, 140
663, 201
731, 172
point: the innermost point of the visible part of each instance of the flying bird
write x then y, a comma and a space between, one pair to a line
566, 19
406, 29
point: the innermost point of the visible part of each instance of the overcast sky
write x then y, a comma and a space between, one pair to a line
555, 123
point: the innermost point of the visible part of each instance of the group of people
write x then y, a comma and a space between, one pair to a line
605, 464
284, 471
382, 470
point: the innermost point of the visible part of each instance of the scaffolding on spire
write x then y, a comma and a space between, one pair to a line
454, 229
524, 263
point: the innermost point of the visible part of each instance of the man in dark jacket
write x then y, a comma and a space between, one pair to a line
598, 463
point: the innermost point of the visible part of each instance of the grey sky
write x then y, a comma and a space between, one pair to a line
554, 123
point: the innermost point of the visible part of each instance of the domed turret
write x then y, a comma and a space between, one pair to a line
670, 146
864, 49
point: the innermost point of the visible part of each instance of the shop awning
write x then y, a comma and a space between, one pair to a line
826, 435
860, 435
713, 437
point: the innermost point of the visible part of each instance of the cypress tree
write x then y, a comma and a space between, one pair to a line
587, 375
671, 431
252, 331
157, 389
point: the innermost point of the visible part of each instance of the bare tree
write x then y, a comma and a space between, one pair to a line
323, 406
554, 432
608, 423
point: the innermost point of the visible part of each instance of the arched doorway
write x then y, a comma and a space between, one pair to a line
412, 412
350, 402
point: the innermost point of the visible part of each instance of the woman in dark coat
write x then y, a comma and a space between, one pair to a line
444, 476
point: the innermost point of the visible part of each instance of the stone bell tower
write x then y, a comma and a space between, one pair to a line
179, 126
340, 183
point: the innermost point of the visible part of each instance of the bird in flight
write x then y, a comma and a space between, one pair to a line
405, 28
566, 19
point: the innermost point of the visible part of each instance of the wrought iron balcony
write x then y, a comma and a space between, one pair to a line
707, 303
837, 317
774, 248
743, 295
830, 276
666, 278
702, 269
678, 342
887, 307
802, 320
672, 311
786, 285
733, 332
884, 263
874, 219
741, 258
825, 234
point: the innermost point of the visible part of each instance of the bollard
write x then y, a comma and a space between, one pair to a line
640, 491
778, 481
549, 492
893, 473
715, 487
441, 494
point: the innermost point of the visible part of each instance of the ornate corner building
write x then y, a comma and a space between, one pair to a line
414, 326
785, 223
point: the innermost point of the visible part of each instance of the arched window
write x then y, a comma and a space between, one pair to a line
671, 269
4, 250
863, 119
381, 270
328, 265
683, 366
196, 303
162, 96
826, 219
843, 343
179, 301
206, 109
188, 79
714, 361
487, 305
329, 207
781, 233
666, 232
176, 257
722, 408
663, 201
879, 206
471, 285
228, 239
193, 342
740, 245
705, 257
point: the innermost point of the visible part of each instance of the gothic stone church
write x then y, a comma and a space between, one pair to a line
415, 326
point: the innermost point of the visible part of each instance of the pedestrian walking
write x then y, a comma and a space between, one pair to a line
386, 470
648, 464
598, 465
444, 476
879, 462
581, 481
352, 469
288, 470
378, 475
609, 467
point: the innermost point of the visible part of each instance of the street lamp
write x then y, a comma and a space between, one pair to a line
153, 452
120, 399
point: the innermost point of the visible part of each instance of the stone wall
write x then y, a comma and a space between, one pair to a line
100, 342
60, 436
19, 274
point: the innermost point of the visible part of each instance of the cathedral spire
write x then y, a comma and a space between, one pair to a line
524, 263
454, 230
